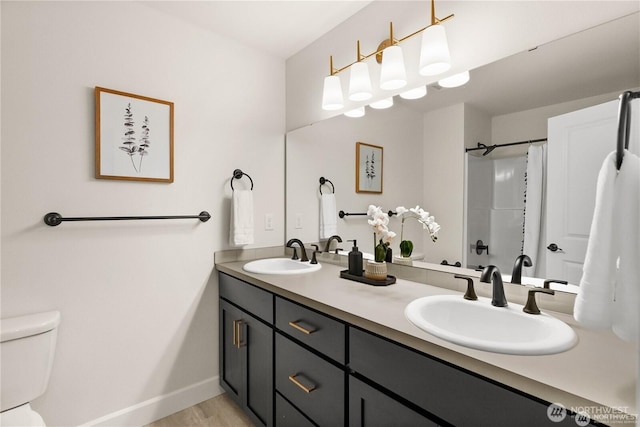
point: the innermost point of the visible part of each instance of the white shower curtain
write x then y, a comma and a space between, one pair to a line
534, 208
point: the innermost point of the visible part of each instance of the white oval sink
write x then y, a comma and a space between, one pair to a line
280, 266
480, 325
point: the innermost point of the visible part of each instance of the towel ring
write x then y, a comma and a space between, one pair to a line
238, 174
323, 181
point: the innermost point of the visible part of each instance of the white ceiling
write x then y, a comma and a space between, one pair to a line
281, 28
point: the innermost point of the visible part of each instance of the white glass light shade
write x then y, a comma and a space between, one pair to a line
414, 93
392, 74
359, 82
434, 53
455, 80
357, 112
383, 103
332, 94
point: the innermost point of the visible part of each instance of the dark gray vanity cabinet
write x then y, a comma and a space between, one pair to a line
289, 365
246, 347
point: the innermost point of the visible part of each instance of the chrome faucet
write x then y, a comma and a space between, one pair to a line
491, 274
516, 275
303, 252
327, 247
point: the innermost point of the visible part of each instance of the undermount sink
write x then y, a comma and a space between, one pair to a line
480, 325
280, 266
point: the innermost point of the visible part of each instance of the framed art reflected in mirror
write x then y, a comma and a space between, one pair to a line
368, 168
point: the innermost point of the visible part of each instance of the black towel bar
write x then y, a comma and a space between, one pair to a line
54, 218
342, 214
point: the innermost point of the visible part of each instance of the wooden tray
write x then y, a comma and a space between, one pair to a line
390, 279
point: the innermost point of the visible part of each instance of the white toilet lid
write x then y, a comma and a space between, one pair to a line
22, 416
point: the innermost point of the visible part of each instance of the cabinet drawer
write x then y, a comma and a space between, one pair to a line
369, 407
254, 300
316, 330
288, 416
313, 385
452, 394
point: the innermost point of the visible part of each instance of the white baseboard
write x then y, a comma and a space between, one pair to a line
161, 406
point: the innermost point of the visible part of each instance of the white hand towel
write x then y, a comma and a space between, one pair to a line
328, 219
593, 306
241, 227
627, 228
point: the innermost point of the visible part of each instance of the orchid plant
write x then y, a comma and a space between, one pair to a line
382, 236
428, 223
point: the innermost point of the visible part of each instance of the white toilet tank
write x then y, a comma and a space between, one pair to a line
27, 345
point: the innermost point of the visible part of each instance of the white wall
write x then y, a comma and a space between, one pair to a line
443, 161
138, 299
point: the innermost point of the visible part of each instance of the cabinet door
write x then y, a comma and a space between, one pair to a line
369, 407
230, 353
256, 339
246, 362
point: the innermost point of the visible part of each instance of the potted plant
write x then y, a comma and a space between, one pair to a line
382, 237
428, 223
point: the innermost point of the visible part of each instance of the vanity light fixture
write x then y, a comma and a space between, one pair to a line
455, 80
356, 112
415, 93
434, 59
382, 104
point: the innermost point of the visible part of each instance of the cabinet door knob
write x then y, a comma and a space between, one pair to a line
295, 324
306, 389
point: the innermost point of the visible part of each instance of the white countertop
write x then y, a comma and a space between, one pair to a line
600, 371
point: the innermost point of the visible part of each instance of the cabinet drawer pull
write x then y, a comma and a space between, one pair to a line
306, 389
237, 333
294, 324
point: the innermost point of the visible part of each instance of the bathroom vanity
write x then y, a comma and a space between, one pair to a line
314, 349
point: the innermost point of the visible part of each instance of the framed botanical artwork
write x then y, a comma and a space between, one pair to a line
134, 137
368, 168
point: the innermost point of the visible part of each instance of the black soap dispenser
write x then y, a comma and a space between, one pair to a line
355, 260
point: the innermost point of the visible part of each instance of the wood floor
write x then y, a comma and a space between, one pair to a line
217, 412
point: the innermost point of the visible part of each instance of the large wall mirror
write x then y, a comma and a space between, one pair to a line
506, 101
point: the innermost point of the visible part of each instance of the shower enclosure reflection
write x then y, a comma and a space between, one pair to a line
495, 209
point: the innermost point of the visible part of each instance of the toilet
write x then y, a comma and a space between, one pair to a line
27, 345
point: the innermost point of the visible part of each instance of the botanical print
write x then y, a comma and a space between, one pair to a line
134, 137
129, 139
370, 169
